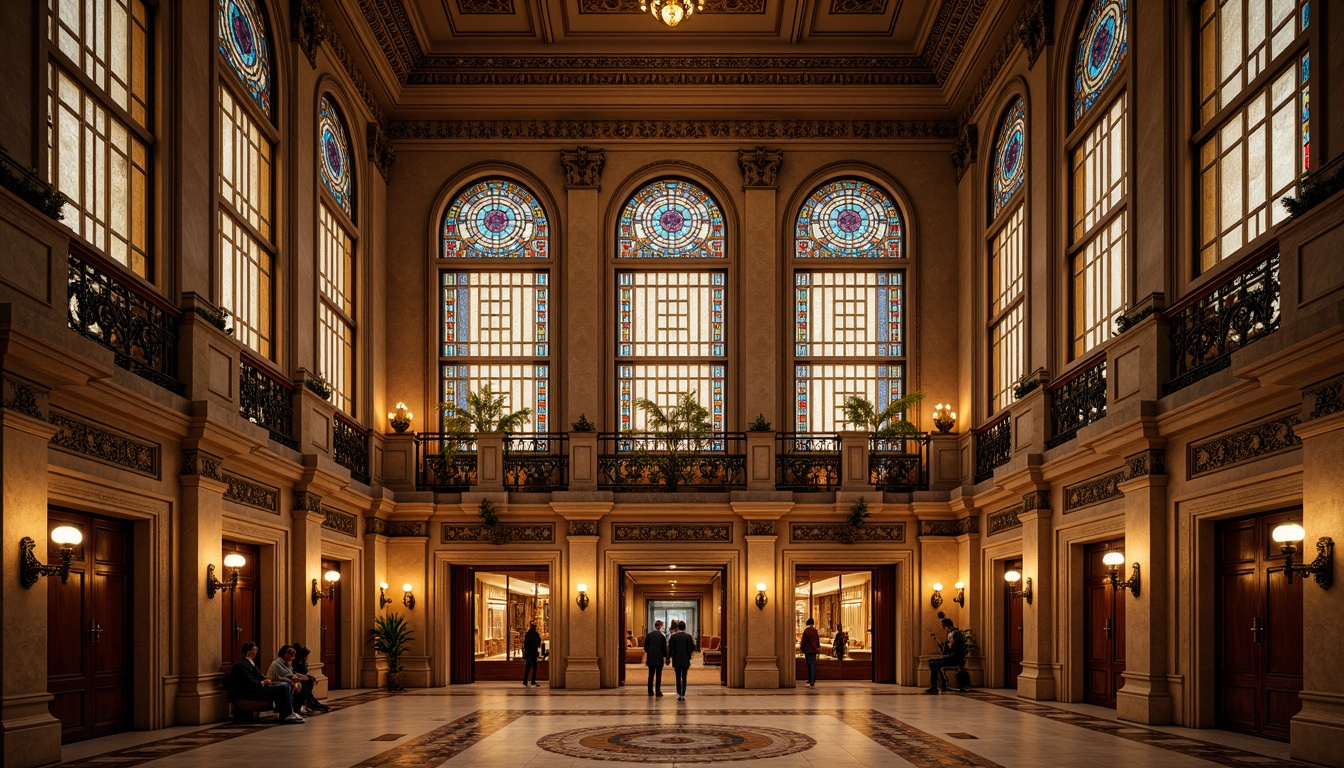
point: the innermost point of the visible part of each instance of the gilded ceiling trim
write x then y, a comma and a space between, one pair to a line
637, 130
632, 6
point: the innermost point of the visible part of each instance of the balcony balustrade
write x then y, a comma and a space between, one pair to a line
993, 446
636, 461
1078, 400
439, 470
807, 463
536, 462
268, 400
899, 464
351, 444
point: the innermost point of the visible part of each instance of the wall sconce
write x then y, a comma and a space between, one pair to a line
1113, 561
233, 561
583, 597
960, 599
761, 599
330, 592
1012, 577
383, 599
1323, 567
401, 419
937, 599
30, 569
944, 418
407, 597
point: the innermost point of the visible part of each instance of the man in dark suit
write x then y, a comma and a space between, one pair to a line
248, 683
655, 653
680, 646
531, 653
954, 655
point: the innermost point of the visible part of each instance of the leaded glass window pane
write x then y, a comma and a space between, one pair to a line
245, 165
1010, 151
336, 312
496, 219
1103, 44
1006, 327
496, 314
1098, 286
670, 314
663, 383
848, 314
107, 40
848, 219
671, 219
334, 150
244, 44
522, 384
1239, 40
245, 284
820, 389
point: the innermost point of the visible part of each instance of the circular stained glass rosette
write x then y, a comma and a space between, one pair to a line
849, 219
1101, 50
335, 154
672, 219
1009, 155
242, 40
495, 219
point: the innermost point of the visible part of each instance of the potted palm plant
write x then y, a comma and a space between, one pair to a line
890, 422
679, 432
483, 414
391, 636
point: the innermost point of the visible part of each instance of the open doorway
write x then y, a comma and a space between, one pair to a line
503, 602
693, 595
850, 606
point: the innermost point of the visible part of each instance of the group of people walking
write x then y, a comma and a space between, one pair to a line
672, 649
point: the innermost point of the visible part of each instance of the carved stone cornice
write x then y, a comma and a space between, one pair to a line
356, 76
759, 166
1005, 519
687, 533
22, 396
1326, 399
952, 29
503, 533
583, 167
200, 463
952, 528
307, 501
844, 533
964, 151
375, 526
1036, 13
582, 527
381, 153
94, 442
252, 494
341, 522
760, 527
1095, 490
309, 27
628, 130
1243, 445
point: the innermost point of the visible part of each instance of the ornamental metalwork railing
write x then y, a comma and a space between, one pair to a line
641, 461
899, 463
351, 444
536, 462
438, 469
1208, 327
1077, 400
267, 400
807, 462
993, 446
108, 305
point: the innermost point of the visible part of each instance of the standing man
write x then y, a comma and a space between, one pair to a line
680, 647
655, 651
954, 655
811, 646
531, 653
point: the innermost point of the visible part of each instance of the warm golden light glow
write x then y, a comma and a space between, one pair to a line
1113, 558
69, 536
959, 585
405, 587
234, 560
671, 12
1282, 534
1012, 577
332, 577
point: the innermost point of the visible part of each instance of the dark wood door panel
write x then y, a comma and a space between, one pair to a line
1104, 622
331, 631
1012, 631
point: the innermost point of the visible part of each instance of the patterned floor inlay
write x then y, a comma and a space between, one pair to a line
445, 742
910, 743
646, 743
1214, 753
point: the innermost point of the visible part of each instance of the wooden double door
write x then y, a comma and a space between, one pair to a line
1104, 622
240, 607
1259, 637
89, 629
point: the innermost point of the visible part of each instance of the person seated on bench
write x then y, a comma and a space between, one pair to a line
954, 655
305, 698
246, 683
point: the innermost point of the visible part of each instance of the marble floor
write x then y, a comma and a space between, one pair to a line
835, 725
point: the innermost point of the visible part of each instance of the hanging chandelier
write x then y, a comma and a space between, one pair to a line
671, 12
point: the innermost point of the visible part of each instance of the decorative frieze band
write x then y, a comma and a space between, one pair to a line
102, 445
396, 528
583, 167
340, 522
308, 26
582, 527
201, 463
846, 533
673, 534
1094, 491
1145, 463
760, 527
504, 532
21, 396
617, 130
381, 153
1326, 399
252, 494
1034, 500
948, 527
1243, 445
760, 166
307, 501
1005, 519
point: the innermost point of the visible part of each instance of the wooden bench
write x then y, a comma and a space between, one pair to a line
249, 710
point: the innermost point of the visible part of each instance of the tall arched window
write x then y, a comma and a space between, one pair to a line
1099, 188
247, 139
1007, 247
849, 302
495, 291
671, 300
98, 134
336, 256
1254, 135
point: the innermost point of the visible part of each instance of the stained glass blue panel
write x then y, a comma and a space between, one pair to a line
334, 147
848, 219
496, 219
244, 43
1102, 45
671, 219
1010, 152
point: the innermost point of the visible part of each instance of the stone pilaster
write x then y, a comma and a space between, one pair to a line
1145, 696
760, 259
489, 463
1037, 680
200, 698
762, 660
582, 668
305, 559
854, 474
582, 269
371, 665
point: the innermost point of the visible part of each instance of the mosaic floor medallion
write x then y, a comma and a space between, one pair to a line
676, 743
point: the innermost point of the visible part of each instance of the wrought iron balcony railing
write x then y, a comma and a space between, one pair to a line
993, 446
351, 444
267, 399
440, 470
637, 461
899, 463
536, 462
1077, 401
806, 462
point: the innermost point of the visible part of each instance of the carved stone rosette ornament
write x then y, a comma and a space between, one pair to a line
583, 167
759, 166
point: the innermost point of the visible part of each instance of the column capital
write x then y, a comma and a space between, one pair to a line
583, 167
760, 167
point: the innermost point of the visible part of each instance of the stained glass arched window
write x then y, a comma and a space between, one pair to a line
244, 42
334, 148
848, 219
671, 219
1010, 155
496, 219
1102, 45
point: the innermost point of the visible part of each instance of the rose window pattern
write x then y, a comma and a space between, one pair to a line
334, 146
1102, 46
1009, 156
848, 219
496, 219
243, 43
671, 219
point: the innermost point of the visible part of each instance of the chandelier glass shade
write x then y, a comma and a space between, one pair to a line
671, 12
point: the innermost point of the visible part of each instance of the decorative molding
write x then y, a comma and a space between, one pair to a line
999, 61
1145, 463
309, 26
381, 153
512, 532
876, 7
1005, 519
846, 533
69, 488
673, 534
491, 7
340, 522
1286, 489
407, 529
760, 527
307, 501
951, 528
583, 167
951, 31
375, 526
73, 436
661, 71
582, 527
356, 75
632, 6
1034, 500
1326, 399
760, 166
615, 130
964, 151
252, 494
1094, 491
201, 463
1248, 444
22, 396
1036, 29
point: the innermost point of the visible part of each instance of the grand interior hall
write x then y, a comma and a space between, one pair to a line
461, 341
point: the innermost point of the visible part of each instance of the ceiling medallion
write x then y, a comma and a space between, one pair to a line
671, 12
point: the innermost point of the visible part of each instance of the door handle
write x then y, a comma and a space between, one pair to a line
1257, 630
237, 630
1110, 629
95, 632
